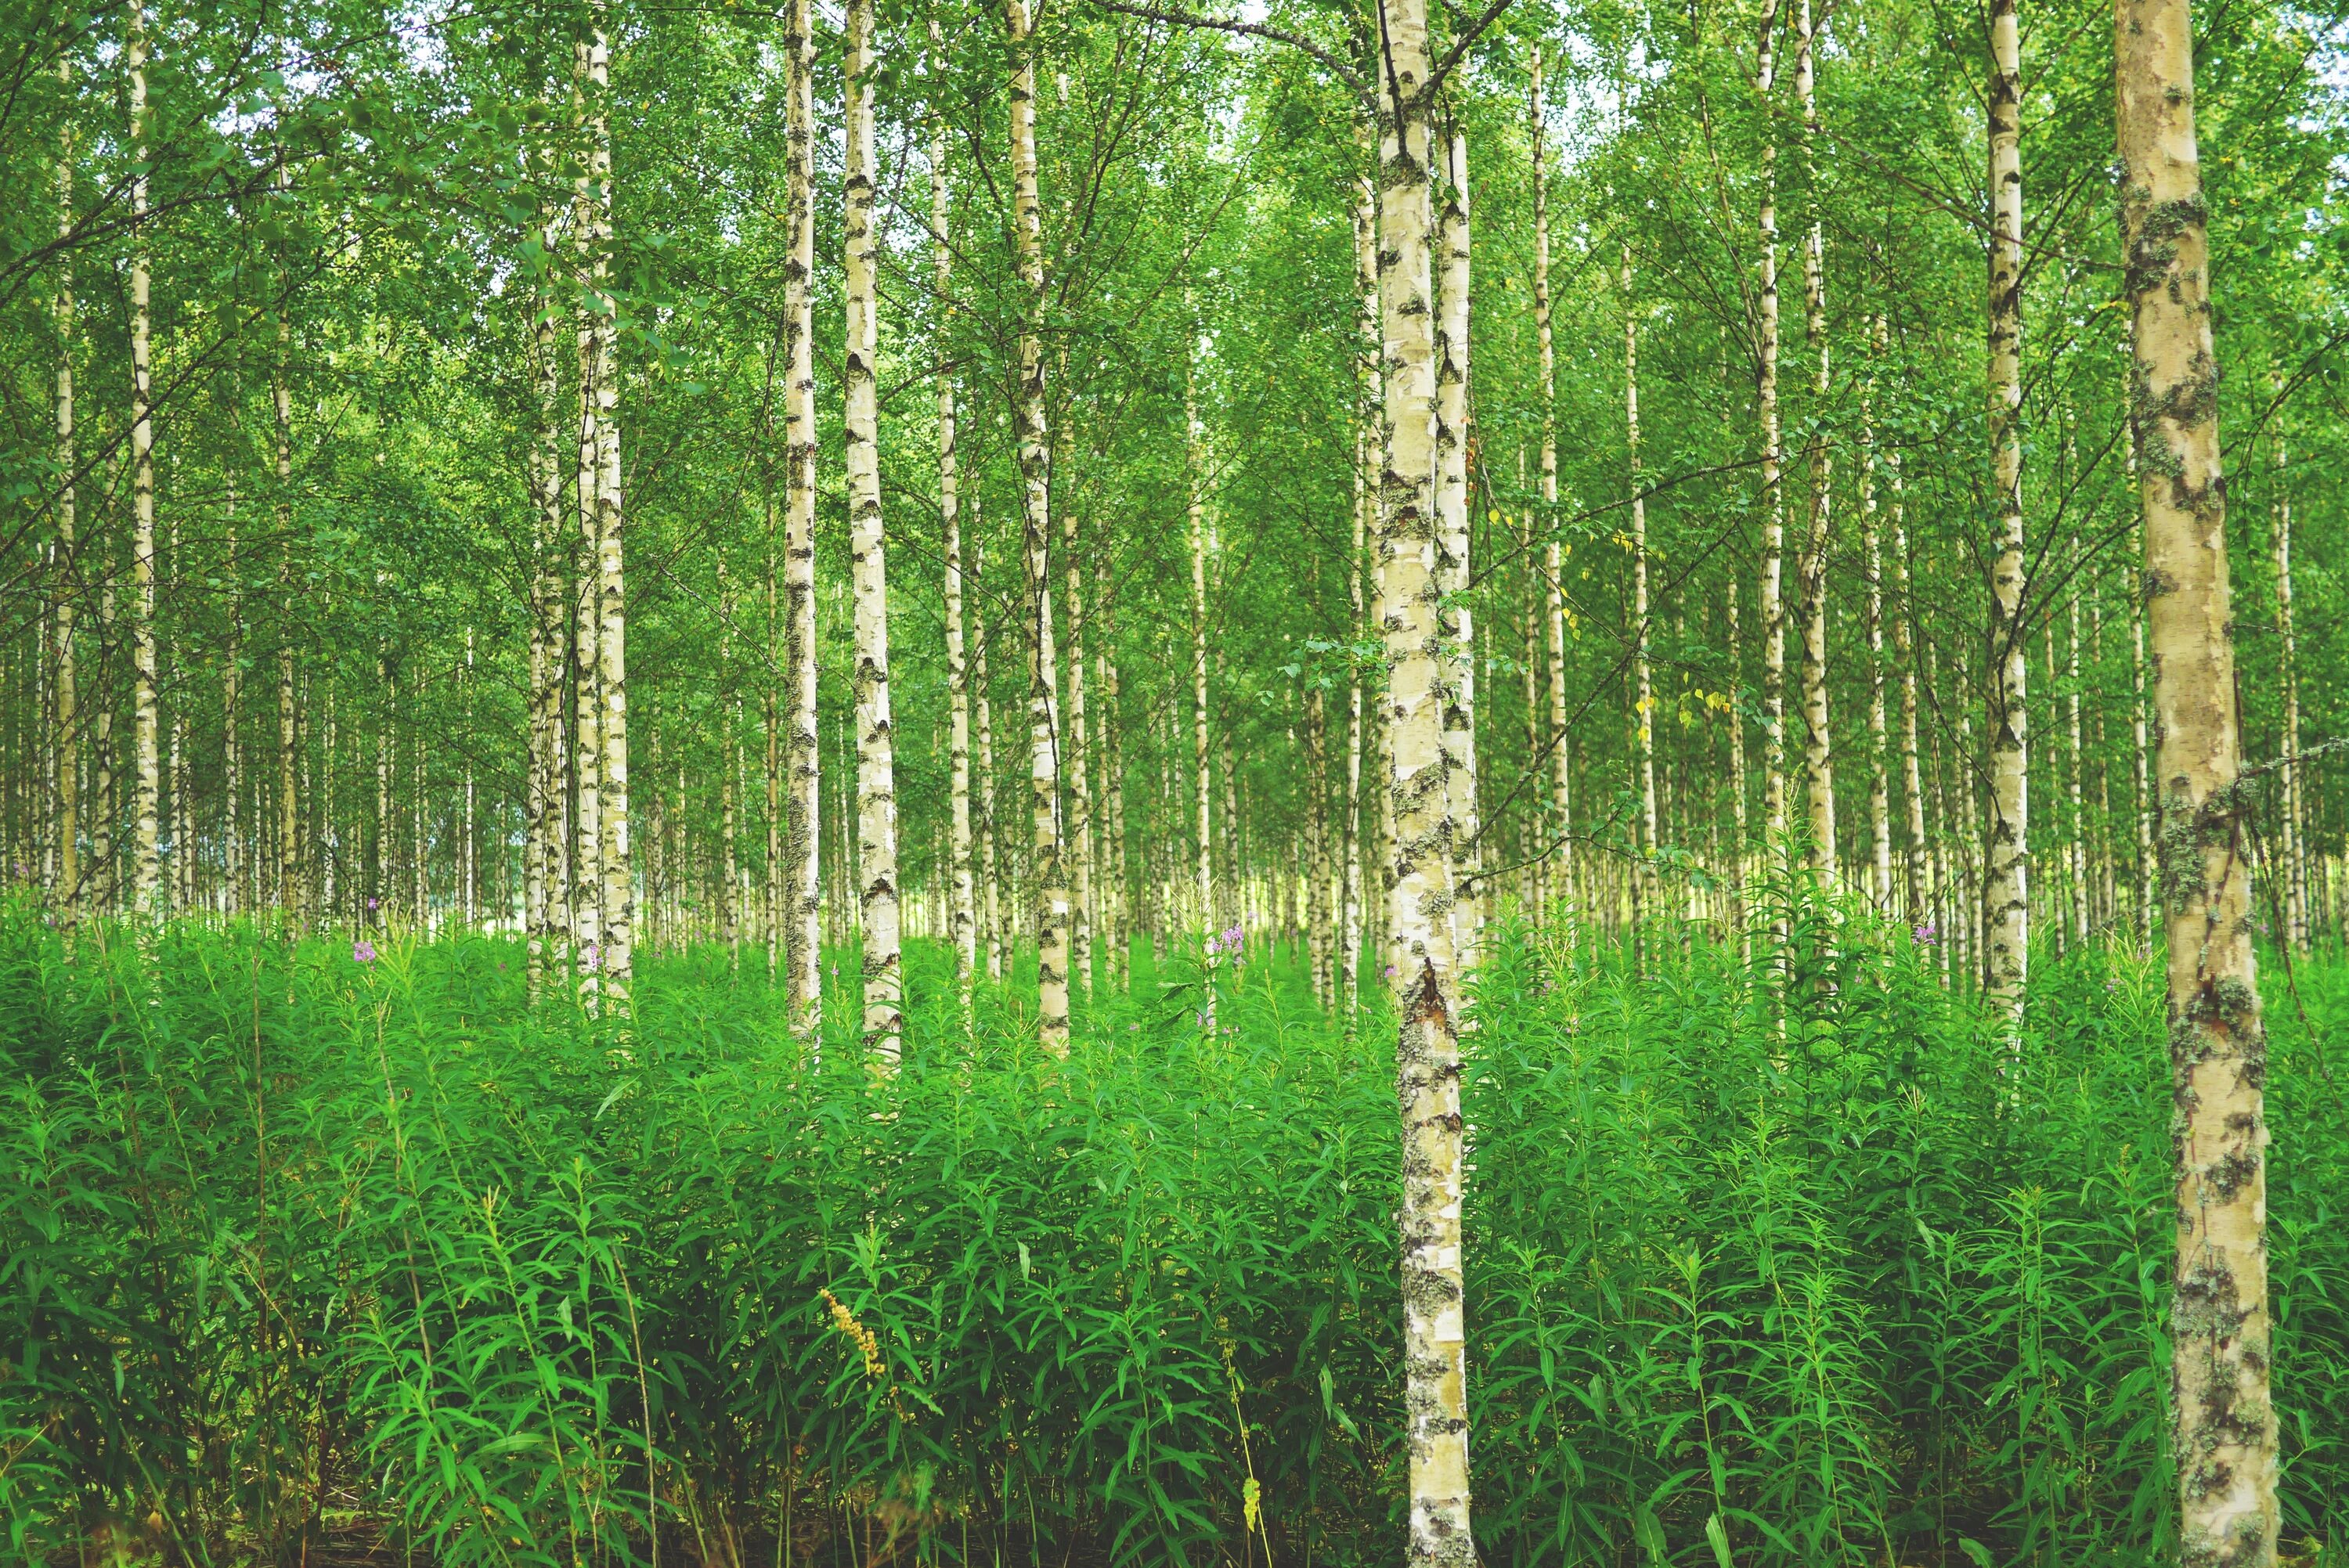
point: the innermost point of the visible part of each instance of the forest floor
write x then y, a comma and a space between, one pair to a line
306, 1258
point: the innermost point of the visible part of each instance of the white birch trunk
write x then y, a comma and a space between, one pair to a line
1643, 695
2007, 875
147, 871
1194, 465
1879, 778
1035, 447
2293, 864
1452, 541
963, 917
70, 896
876, 779
616, 862
1811, 573
2223, 1422
1420, 895
802, 887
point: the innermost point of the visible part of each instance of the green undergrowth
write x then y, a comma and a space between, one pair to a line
301, 1255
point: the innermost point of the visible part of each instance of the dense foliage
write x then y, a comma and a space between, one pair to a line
306, 1248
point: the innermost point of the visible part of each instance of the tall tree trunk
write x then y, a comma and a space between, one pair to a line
68, 717
962, 918
290, 881
983, 839
1919, 872
1367, 420
2223, 1424
2076, 850
617, 897
232, 775
876, 775
1811, 572
543, 873
106, 783
2141, 736
587, 753
1452, 541
1879, 776
729, 801
1119, 922
1551, 553
1035, 450
1079, 759
616, 893
1530, 607
802, 883
1427, 986
2292, 861
2006, 890
1195, 469
1773, 498
147, 870
1643, 695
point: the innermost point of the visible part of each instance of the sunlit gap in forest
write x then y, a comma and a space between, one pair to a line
1153, 782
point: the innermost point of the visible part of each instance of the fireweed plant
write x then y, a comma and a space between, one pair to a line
312, 1247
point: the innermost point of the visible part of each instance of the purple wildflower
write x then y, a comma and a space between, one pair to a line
1390, 971
363, 951
1925, 934
370, 904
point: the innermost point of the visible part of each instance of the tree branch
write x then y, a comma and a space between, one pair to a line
1459, 46
1338, 67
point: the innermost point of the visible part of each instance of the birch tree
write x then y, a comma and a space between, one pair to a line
802, 876
147, 787
2223, 1425
963, 915
877, 785
1421, 889
2006, 886
1035, 481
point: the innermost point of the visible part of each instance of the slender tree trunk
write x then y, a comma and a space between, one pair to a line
617, 897
2223, 1424
1553, 824
1643, 695
1741, 827
1531, 608
232, 759
2292, 861
2007, 884
1773, 517
1120, 924
542, 872
2140, 735
105, 784
1421, 662
729, 801
1811, 572
1879, 778
962, 918
1452, 541
1196, 466
1035, 448
876, 777
587, 754
1367, 443
147, 871
2076, 850
802, 883
68, 717
1080, 762
991, 911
